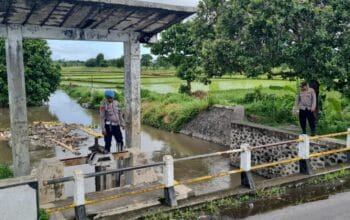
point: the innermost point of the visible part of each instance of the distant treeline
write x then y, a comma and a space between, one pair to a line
99, 61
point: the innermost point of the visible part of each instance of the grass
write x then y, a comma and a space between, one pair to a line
43, 215
213, 207
5, 171
266, 101
161, 81
330, 177
165, 111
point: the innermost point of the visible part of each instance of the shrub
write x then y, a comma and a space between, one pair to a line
170, 111
271, 109
43, 215
5, 171
184, 89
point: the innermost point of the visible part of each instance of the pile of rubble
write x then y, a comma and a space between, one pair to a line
51, 134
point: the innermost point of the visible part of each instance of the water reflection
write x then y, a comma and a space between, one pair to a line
67, 110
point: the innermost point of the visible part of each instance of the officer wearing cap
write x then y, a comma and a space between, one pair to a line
111, 121
305, 105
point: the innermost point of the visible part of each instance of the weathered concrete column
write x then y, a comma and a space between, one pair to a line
304, 153
132, 63
17, 101
246, 165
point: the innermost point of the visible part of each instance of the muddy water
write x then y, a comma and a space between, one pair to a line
155, 143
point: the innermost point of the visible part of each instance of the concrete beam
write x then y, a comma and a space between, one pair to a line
150, 5
3, 31
132, 63
60, 33
17, 99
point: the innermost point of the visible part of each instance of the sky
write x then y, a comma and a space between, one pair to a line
83, 50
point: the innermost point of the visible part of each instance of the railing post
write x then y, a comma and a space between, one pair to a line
169, 190
348, 145
79, 195
304, 153
246, 176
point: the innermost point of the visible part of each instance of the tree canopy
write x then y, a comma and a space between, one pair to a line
306, 39
310, 39
99, 61
146, 60
177, 47
42, 76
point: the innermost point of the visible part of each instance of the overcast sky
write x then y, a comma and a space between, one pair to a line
82, 50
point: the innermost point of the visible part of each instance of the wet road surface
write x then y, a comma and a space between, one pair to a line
336, 207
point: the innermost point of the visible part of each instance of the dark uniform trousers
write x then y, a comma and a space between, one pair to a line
113, 130
309, 115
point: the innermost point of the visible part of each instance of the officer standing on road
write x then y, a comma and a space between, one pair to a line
305, 104
111, 121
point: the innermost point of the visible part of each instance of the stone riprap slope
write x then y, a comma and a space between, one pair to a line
214, 125
256, 135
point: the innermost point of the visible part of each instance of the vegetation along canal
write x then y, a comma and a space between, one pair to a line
155, 144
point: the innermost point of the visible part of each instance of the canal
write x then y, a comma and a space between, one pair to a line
154, 143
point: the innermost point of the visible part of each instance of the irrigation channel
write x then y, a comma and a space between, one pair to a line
155, 144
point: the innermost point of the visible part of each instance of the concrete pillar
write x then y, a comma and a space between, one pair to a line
79, 195
304, 154
49, 168
246, 176
132, 93
169, 190
348, 145
17, 101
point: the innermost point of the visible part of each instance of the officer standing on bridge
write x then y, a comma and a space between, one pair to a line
305, 105
111, 121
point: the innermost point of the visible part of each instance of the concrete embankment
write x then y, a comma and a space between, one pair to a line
226, 126
214, 124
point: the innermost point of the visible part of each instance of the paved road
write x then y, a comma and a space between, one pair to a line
337, 207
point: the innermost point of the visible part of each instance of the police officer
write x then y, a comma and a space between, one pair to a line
305, 105
111, 121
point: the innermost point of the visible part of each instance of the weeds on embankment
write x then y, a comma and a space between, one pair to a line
330, 177
165, 111
213, 207
266, 199
269, 106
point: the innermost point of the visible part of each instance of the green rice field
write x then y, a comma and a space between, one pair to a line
161, 81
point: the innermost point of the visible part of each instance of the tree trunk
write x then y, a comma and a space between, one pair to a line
189, 86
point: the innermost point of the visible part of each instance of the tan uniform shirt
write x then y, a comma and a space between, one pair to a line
110, 113
306, 100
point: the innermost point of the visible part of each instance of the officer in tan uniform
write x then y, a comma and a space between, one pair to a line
305, 105
111, 121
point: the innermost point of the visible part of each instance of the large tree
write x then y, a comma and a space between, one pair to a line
41, 75
310, 39
177, 46
146, 60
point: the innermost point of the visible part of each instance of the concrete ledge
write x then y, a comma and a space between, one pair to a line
239, 191
17, 181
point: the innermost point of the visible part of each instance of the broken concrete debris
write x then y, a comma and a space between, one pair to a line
52, 134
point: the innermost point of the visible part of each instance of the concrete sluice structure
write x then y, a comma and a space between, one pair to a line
131, 22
